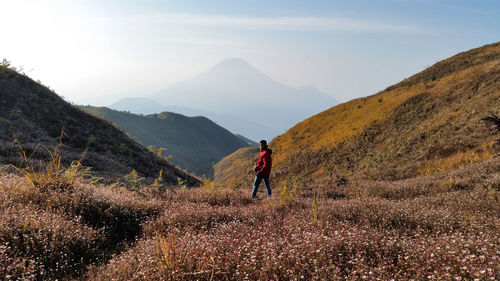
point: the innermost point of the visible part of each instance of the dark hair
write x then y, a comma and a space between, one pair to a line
263, 142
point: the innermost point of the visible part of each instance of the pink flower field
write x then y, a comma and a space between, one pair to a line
444, 227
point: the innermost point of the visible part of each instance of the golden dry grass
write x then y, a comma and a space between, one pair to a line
428, 123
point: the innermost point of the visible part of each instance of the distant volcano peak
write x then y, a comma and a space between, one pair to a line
234, 87
233, 64
233, 69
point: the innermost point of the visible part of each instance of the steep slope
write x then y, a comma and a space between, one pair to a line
235, 87
428, 123
247, 141
33, 114
194, 143
236, 170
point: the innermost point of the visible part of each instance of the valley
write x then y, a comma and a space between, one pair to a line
400, 185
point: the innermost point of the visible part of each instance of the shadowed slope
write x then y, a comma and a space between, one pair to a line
194, 143
33, 114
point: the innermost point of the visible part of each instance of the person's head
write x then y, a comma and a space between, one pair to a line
263, 144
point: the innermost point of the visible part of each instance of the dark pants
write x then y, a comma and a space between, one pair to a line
257, 183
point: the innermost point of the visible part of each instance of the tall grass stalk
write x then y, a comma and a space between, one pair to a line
286, 195
208, 185
315, 207
51, 175
158, 180
165, 248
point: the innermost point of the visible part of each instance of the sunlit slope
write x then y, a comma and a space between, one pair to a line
430, 122
236, 169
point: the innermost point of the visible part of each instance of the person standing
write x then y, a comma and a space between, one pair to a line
263, 169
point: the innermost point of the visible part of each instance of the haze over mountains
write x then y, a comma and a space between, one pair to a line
431, 123
232, 123
403, 185
240, 98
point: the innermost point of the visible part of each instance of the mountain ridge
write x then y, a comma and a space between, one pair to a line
193, 143
428, 123
233, 123
235, 87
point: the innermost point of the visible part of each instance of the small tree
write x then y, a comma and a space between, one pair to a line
134, 179
158, 180
5, 63
157, 151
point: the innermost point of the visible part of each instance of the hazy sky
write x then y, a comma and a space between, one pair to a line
93, 51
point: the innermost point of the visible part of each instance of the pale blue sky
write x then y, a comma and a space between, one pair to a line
94, 51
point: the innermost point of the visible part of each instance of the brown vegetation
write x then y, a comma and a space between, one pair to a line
441, 226
412, 194
48, 233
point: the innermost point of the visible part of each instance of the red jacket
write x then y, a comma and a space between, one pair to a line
265, 163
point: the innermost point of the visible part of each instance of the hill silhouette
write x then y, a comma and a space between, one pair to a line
34, 115
194, 143
426, 124
231, 122
234, 87
247, 140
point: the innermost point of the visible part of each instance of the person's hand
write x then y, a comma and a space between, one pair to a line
259, 174
255, 169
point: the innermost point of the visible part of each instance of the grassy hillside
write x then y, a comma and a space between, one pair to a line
406, 189
428, 123
438, 227
34, 115
194, 143
237, 169
52, 233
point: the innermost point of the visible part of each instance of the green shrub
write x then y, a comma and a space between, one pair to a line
15, 112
